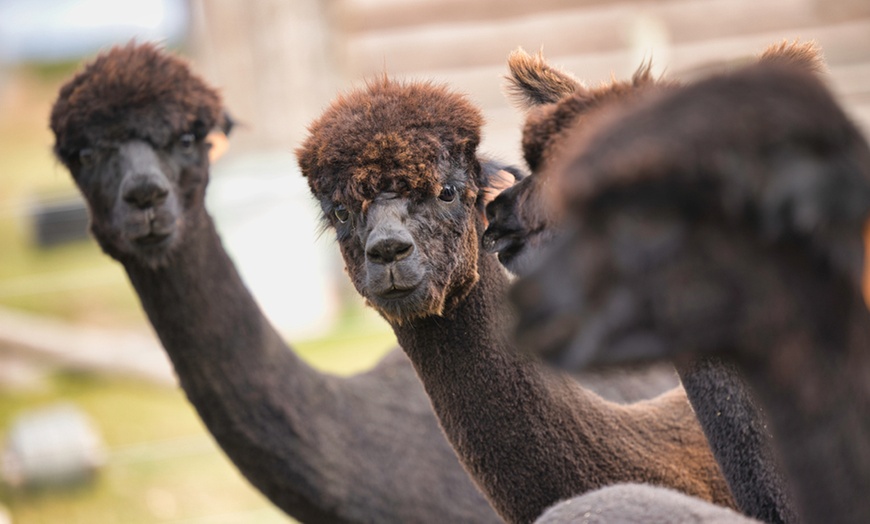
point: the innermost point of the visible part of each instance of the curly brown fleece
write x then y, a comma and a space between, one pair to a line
411, 130
132, 91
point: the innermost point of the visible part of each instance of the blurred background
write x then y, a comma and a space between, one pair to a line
81, 374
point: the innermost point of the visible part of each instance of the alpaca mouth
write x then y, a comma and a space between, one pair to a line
397, 293
152, 239
502, 243
402, 303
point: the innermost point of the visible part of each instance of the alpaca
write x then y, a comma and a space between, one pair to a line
726, 219
520, 224
729, 416
394, 168
641, 504
131, 128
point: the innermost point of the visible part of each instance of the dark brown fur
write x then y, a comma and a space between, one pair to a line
729, 415
406, 143
529, 438
365, 448
728, 219
132, 92
521, 223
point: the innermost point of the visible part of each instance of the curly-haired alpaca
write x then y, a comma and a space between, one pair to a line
729, 415
395, 170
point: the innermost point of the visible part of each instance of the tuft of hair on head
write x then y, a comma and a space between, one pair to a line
533, 82
643, 74
805, 55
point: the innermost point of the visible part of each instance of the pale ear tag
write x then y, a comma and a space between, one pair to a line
219, 145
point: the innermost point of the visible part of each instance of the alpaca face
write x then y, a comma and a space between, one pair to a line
411, 257
137, 194
641, 282
131, 127
395, 170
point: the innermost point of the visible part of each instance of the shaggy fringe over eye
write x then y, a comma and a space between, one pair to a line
132, 91
388, 137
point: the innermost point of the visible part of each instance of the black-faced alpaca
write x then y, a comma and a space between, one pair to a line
131, 128
394, 167
731, 419
726, 219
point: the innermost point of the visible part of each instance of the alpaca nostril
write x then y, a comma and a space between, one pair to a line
145, 195
389, 250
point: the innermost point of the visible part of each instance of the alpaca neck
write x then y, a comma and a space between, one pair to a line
453, 354
814, 386
200, 307
739, 439
243, 380
529, 437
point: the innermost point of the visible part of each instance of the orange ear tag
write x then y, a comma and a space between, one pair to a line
219, 145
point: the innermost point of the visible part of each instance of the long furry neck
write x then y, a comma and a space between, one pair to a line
816, 388
739, 438
531, 437
197, 302
243, 380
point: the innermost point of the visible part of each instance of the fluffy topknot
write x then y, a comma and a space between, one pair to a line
133, 91
389, 136
533, 82
547, 124
804, 55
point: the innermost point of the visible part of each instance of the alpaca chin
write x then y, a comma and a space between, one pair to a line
424, 302
158, 257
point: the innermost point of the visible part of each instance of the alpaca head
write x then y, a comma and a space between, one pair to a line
393, 166
714, 218
521, 224
131, 127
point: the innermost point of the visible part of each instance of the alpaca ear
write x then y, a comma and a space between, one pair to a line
804, 55
219, 145
219, 137
533, 82
823, 200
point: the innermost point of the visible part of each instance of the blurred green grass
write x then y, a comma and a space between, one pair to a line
163, 465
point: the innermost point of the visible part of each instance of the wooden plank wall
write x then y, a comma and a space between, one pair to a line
465, 42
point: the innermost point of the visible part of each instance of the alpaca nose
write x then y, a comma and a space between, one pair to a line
145, 193
388, 250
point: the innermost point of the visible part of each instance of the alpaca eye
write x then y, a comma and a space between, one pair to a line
186, 141
86, 156
341, 213
448, 193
